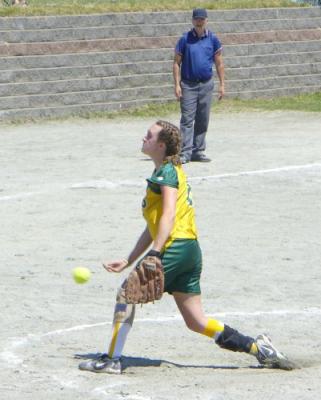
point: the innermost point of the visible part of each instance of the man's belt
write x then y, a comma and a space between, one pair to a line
196, 80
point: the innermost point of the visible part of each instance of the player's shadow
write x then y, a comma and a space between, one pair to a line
128, 362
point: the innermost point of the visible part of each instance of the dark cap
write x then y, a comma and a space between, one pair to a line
199, 13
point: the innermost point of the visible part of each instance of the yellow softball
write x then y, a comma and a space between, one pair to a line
81, 274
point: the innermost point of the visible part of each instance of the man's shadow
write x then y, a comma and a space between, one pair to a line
128, 362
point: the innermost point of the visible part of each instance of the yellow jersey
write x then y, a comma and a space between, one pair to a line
184, 225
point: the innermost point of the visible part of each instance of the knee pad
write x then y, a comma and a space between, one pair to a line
123, 312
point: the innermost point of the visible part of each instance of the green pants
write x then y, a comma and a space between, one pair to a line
182, 263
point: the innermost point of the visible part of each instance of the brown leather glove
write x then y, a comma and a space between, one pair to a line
146, 282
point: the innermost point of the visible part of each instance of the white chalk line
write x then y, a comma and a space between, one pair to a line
308, 311
11, 359
256, 172
106, 184
105, 390
8, 354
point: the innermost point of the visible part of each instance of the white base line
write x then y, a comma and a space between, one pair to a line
308, 311
9, 353
105, 184
256, 172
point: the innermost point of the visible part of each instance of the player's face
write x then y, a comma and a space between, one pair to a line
151, 146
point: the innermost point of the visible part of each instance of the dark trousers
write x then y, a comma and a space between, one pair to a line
196, 104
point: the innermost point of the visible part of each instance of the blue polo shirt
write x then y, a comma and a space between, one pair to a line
197, 55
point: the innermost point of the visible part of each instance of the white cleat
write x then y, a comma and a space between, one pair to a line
103, 364
269, 356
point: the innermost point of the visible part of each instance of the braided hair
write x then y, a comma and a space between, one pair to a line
171, 136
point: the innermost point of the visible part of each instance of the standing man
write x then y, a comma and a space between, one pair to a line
195, 53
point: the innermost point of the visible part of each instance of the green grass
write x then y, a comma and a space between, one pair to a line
304, 102
301, 103
71, 7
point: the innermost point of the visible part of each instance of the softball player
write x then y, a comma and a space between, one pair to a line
171, 232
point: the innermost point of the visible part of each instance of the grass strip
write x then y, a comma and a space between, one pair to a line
301, 103
77, 7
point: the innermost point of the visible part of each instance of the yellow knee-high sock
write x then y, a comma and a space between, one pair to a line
213, 328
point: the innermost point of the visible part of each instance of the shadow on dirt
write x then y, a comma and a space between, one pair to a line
129, 362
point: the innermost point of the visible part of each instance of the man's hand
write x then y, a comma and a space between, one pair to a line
178, 91
221, 91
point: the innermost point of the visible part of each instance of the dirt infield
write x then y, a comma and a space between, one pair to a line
70, 194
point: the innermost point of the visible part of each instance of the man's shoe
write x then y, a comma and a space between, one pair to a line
103, 364
269, 356
184, 160
200, 158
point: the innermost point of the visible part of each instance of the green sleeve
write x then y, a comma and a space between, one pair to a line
165, 176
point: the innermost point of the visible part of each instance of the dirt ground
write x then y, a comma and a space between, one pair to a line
70, 195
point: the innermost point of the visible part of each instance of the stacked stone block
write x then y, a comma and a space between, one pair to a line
64, 65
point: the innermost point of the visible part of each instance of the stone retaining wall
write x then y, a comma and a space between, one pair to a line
62, 65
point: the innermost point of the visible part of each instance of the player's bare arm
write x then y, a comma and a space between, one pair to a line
142, 244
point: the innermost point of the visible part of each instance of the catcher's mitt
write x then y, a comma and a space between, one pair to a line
146, 282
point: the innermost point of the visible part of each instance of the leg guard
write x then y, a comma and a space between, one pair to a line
231, 339
123, 321
123, 313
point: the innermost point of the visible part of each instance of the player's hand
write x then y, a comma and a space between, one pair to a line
115, 266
